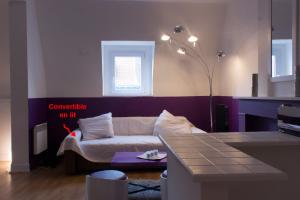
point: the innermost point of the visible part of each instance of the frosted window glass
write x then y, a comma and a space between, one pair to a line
128, 73
282, 58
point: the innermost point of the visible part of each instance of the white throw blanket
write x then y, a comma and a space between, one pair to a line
103, 150
131, 134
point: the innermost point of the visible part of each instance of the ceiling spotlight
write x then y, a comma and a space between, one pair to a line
181, 51
165, 37
178, 29
192, 39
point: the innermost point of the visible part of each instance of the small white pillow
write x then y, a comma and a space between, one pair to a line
168, 123
96, 127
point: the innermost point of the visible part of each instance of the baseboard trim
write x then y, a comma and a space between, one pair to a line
14, 168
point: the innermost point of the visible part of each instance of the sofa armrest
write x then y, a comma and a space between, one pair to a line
78, 135
70, 142
196, 130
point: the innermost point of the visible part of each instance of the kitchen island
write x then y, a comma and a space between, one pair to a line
204, 167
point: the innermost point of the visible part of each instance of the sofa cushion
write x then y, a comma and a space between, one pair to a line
109, 146
96, 127
133, 125
168, 123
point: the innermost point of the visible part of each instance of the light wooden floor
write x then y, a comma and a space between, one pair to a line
49, 184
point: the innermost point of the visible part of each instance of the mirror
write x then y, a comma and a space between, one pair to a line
282, 38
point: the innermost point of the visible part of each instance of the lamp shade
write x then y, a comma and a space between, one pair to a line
192, 39
165, 37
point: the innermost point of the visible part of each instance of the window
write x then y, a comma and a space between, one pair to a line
283, 28
127, 68
282, 58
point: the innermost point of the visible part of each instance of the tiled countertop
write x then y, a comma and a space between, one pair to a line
256, 138
269, 98
208, 158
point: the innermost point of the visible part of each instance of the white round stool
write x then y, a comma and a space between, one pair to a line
106, 185
164, 185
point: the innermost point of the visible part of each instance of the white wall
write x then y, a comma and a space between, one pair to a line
4, 51
71, 32
247, 43
36, 69
240, 42
283, 89
27, 76
264, 47
282, 19
19, 86
5, 132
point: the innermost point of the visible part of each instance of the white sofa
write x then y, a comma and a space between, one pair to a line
130, 134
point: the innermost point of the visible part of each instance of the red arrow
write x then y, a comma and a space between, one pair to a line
69, 131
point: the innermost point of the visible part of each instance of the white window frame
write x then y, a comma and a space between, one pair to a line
294, 47
112, 49
289, 77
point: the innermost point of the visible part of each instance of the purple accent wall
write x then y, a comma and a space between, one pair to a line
257, 114
196, 109
261, 108
37, 114
260, 114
